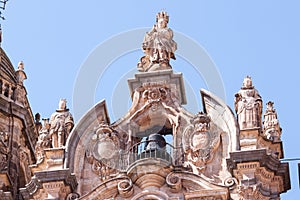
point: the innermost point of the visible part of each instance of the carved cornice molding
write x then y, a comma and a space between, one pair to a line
41, 177
267, 161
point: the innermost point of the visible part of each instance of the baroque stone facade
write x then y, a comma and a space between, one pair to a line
158, 150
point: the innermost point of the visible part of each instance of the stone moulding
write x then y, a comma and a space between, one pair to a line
261, 157
195, 186
41, 177
223, 116
166, 76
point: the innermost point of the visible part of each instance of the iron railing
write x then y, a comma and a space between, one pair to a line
139, 151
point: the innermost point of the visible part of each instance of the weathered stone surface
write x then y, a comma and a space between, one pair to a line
157, 150
248, 106
158, 46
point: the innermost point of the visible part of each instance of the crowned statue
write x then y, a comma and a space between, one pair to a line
248, 106
158, 46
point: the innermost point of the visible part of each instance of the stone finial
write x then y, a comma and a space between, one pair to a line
158, 46
248, 106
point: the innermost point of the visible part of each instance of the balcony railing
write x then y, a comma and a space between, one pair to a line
151, 149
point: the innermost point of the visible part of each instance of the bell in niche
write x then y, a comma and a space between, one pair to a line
155, 142
155, 147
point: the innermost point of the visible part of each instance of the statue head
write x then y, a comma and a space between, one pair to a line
46, 123
21, 65
62, 105
37, 117
247, 83
270, 106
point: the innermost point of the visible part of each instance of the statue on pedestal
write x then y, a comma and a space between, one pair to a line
248, 106
43, 142
272, 130
61, 125
158, 46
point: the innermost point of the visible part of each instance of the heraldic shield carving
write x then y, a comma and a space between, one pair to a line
199, 142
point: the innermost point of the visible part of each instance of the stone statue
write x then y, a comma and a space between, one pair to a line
38, 124
272, 130
43, 141
158, 46
248, 106
61, 125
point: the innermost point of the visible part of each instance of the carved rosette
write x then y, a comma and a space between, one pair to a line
155, 94
103, 152
199, 142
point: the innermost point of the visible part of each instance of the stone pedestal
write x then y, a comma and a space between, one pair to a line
248, 138
50, 180
53, 160
259, 175
175, 81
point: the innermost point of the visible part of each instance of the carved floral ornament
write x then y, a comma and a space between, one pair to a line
155, 94
199, 142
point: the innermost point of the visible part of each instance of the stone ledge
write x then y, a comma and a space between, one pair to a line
265, 160
157, 76
46, 177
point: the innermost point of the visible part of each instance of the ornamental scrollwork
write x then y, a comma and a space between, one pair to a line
103, 152
199, 142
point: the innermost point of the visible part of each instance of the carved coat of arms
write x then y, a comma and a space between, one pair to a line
199, 142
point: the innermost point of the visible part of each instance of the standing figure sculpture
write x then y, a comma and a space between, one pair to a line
271, 130
248, 106
61, 125
43, 141
158, 45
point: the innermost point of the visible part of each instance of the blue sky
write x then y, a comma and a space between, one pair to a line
257, 38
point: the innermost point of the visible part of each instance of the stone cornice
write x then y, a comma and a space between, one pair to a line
265, 160
48, 176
